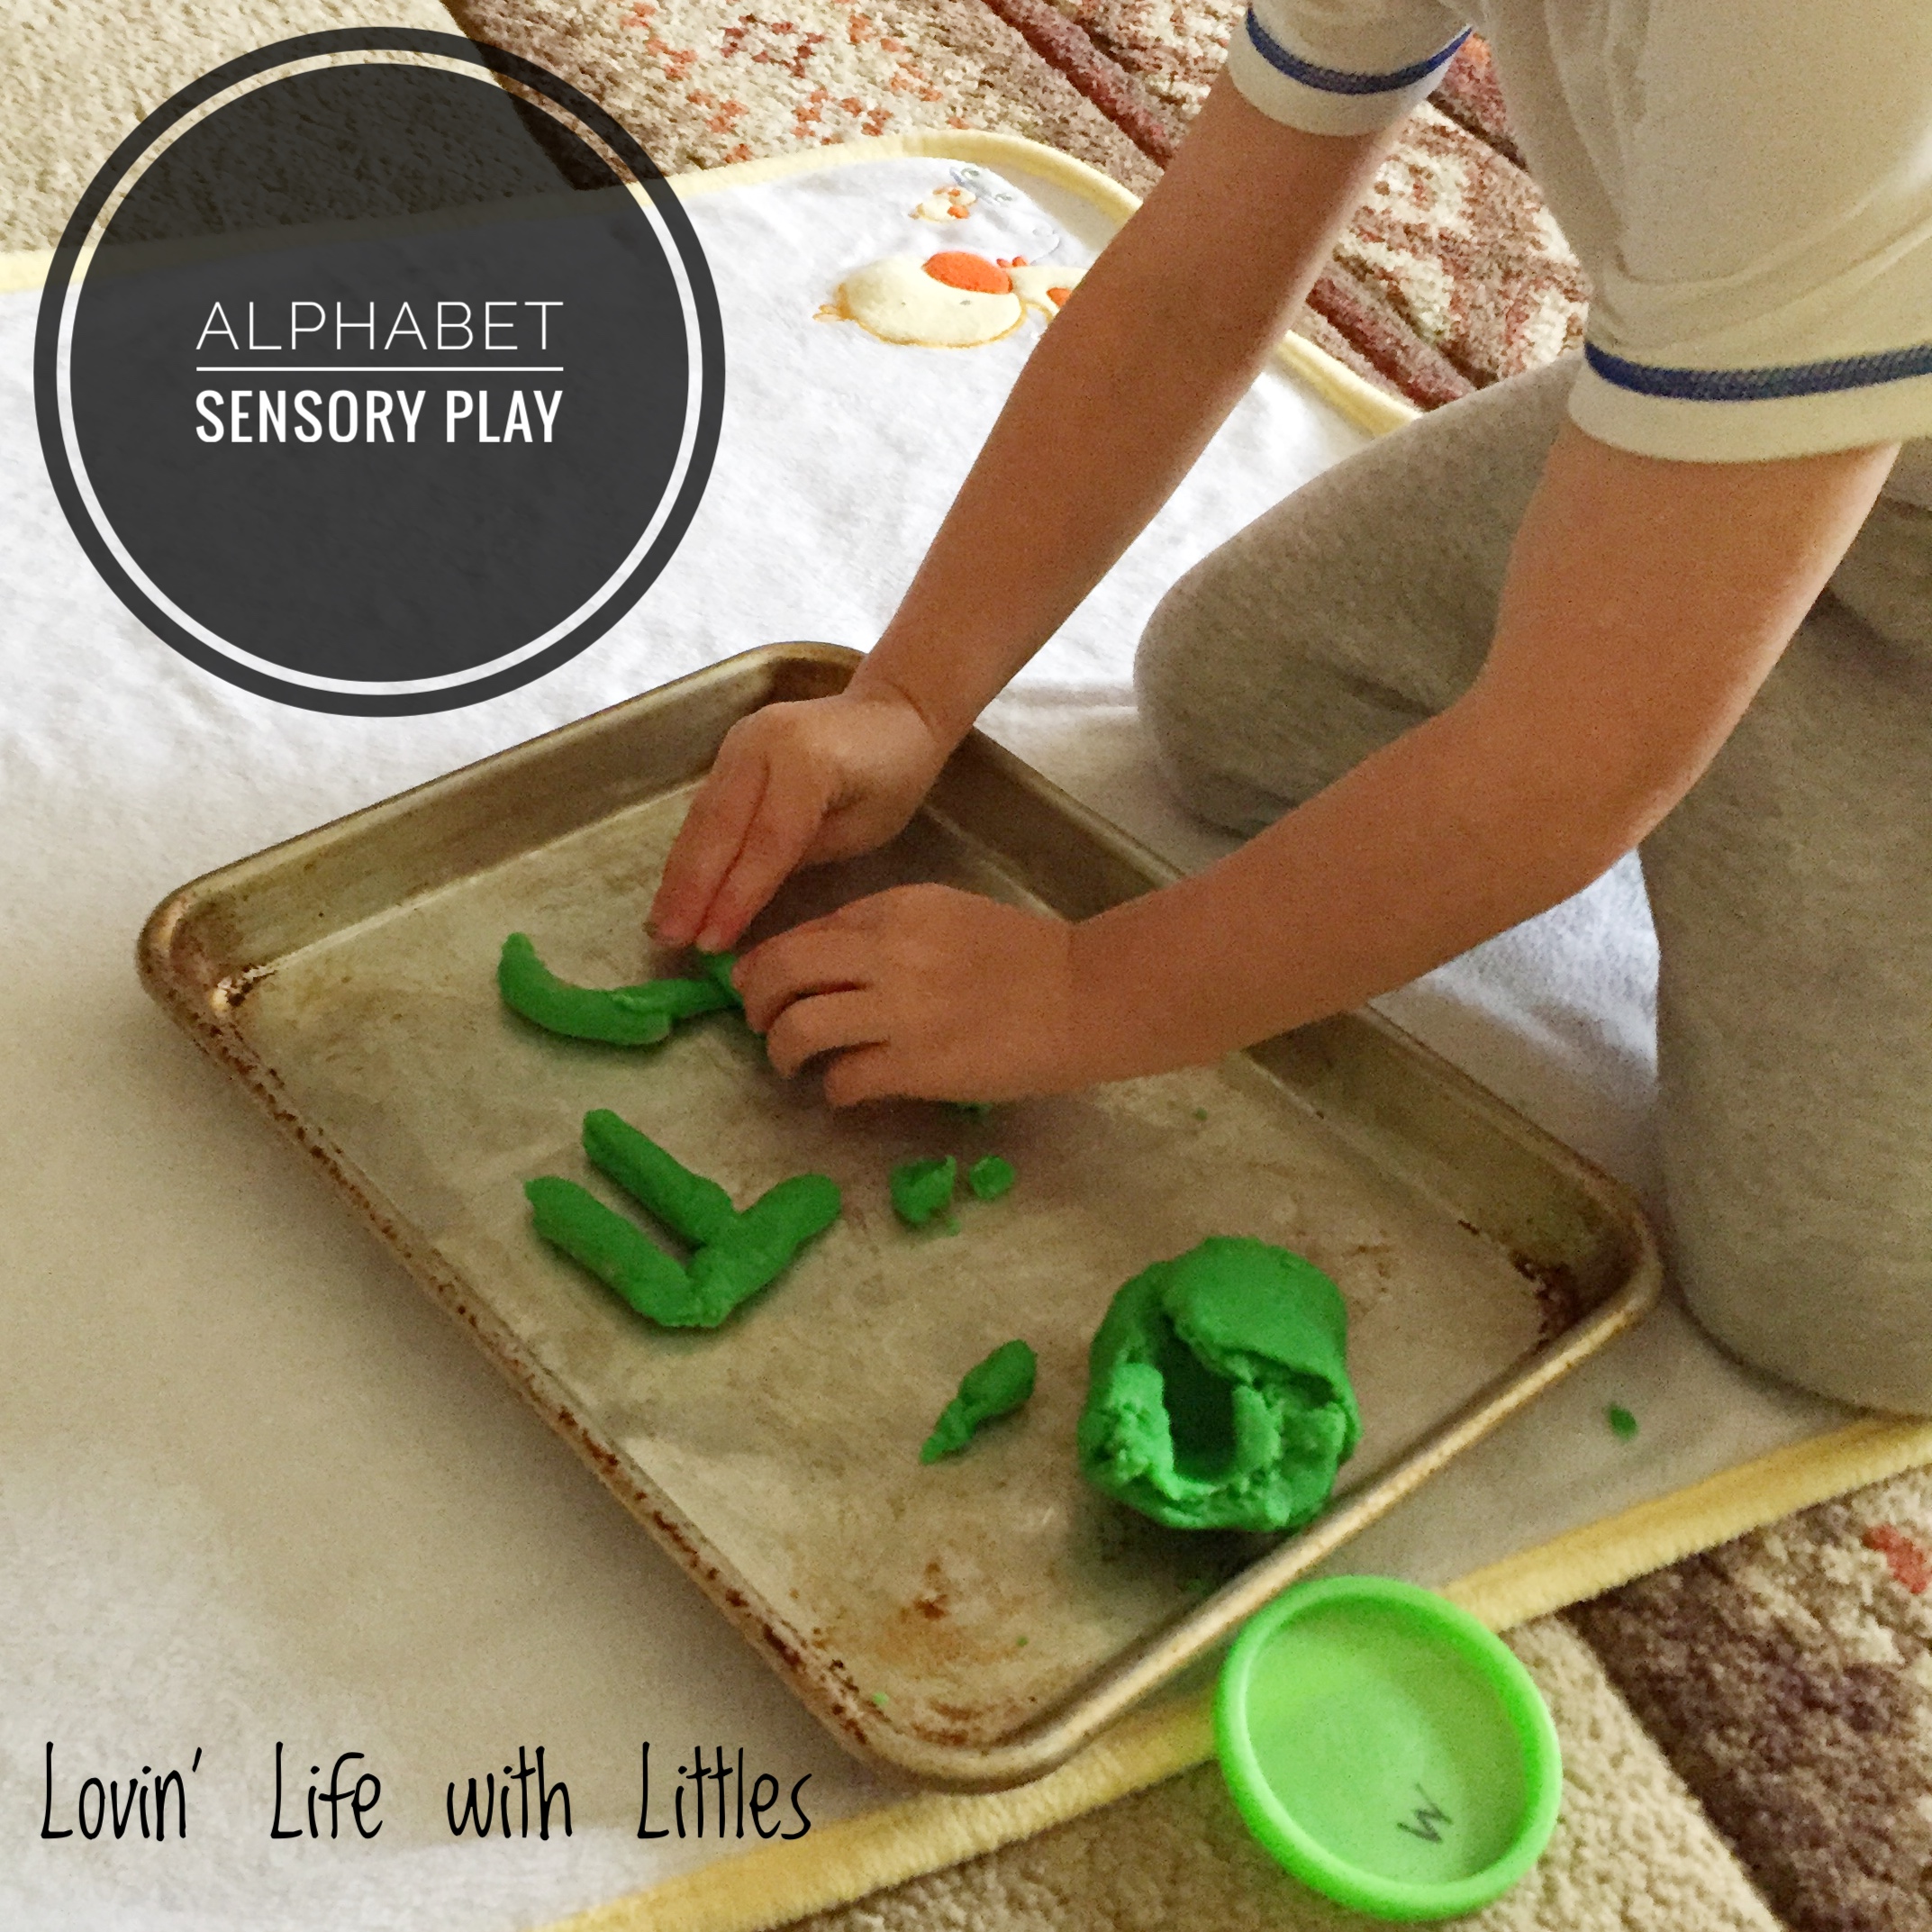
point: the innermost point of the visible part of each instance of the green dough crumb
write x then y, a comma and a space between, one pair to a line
994, 1387
880, 1699
923, 1188
619, 1016
735, 1254
1201, 1113
1021, 1643
1623, 1424
990, 1177
1217, 1395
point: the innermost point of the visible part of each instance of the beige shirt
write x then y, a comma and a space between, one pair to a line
1748, 183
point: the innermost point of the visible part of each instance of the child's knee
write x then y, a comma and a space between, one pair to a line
1190, 711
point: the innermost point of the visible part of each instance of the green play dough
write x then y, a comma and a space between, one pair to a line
994, 1387
760, 1246
620, 1016
735, 1254
694, 1209
1218, 1394
923, 1188
990, 1177
718, 968
615, 1250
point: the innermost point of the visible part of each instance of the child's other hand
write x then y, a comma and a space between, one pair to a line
793, 785
922, 993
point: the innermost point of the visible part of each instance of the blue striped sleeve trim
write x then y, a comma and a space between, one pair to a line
1339, 80
1760, 385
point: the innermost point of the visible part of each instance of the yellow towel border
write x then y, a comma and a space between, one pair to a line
841, 1863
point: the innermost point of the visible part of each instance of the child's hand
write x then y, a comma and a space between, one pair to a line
923, 993
793, 785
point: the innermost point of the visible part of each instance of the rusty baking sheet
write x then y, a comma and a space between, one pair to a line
976, 1620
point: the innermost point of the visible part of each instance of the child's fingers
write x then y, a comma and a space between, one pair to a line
780, 830
819, 958
824, 1022
713, 834
865, 1073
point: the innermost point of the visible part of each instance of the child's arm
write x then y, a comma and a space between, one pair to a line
1645, 602
1159, 341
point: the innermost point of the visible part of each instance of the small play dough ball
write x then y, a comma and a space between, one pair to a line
923, 1188
990, 1177
1218, 1396
898, 301
960, 268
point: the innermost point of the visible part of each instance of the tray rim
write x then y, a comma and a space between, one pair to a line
201, 1006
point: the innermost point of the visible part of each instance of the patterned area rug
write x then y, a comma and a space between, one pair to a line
1451, 276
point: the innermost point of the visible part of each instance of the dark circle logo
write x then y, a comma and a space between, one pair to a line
379, 371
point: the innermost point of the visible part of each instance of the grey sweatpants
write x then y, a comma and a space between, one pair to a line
1792, 888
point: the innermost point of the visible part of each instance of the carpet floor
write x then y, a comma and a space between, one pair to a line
1748, 1734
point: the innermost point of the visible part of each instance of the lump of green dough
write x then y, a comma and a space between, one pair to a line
994, 1387
696, 1211
1218, 1394
620, 1016
990, 1177
734, 1254
923, 1188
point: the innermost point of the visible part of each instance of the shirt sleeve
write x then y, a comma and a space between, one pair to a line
1767, 291
1340, 66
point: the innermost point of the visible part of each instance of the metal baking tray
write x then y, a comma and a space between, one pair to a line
973, 1621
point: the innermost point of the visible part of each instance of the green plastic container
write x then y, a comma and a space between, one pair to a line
1386, 1748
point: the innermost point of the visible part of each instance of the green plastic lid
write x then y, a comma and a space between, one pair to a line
1386, 1748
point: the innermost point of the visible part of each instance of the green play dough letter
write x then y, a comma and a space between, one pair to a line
1218, 1394
994, 1387
735, 1254
620, 1016
923, 1188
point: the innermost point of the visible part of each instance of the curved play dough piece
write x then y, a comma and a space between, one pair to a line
735, 1254
695, 1209
1217, 1393
898, 302
923, 1188
994, 1387
619, 1016
616, 1251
